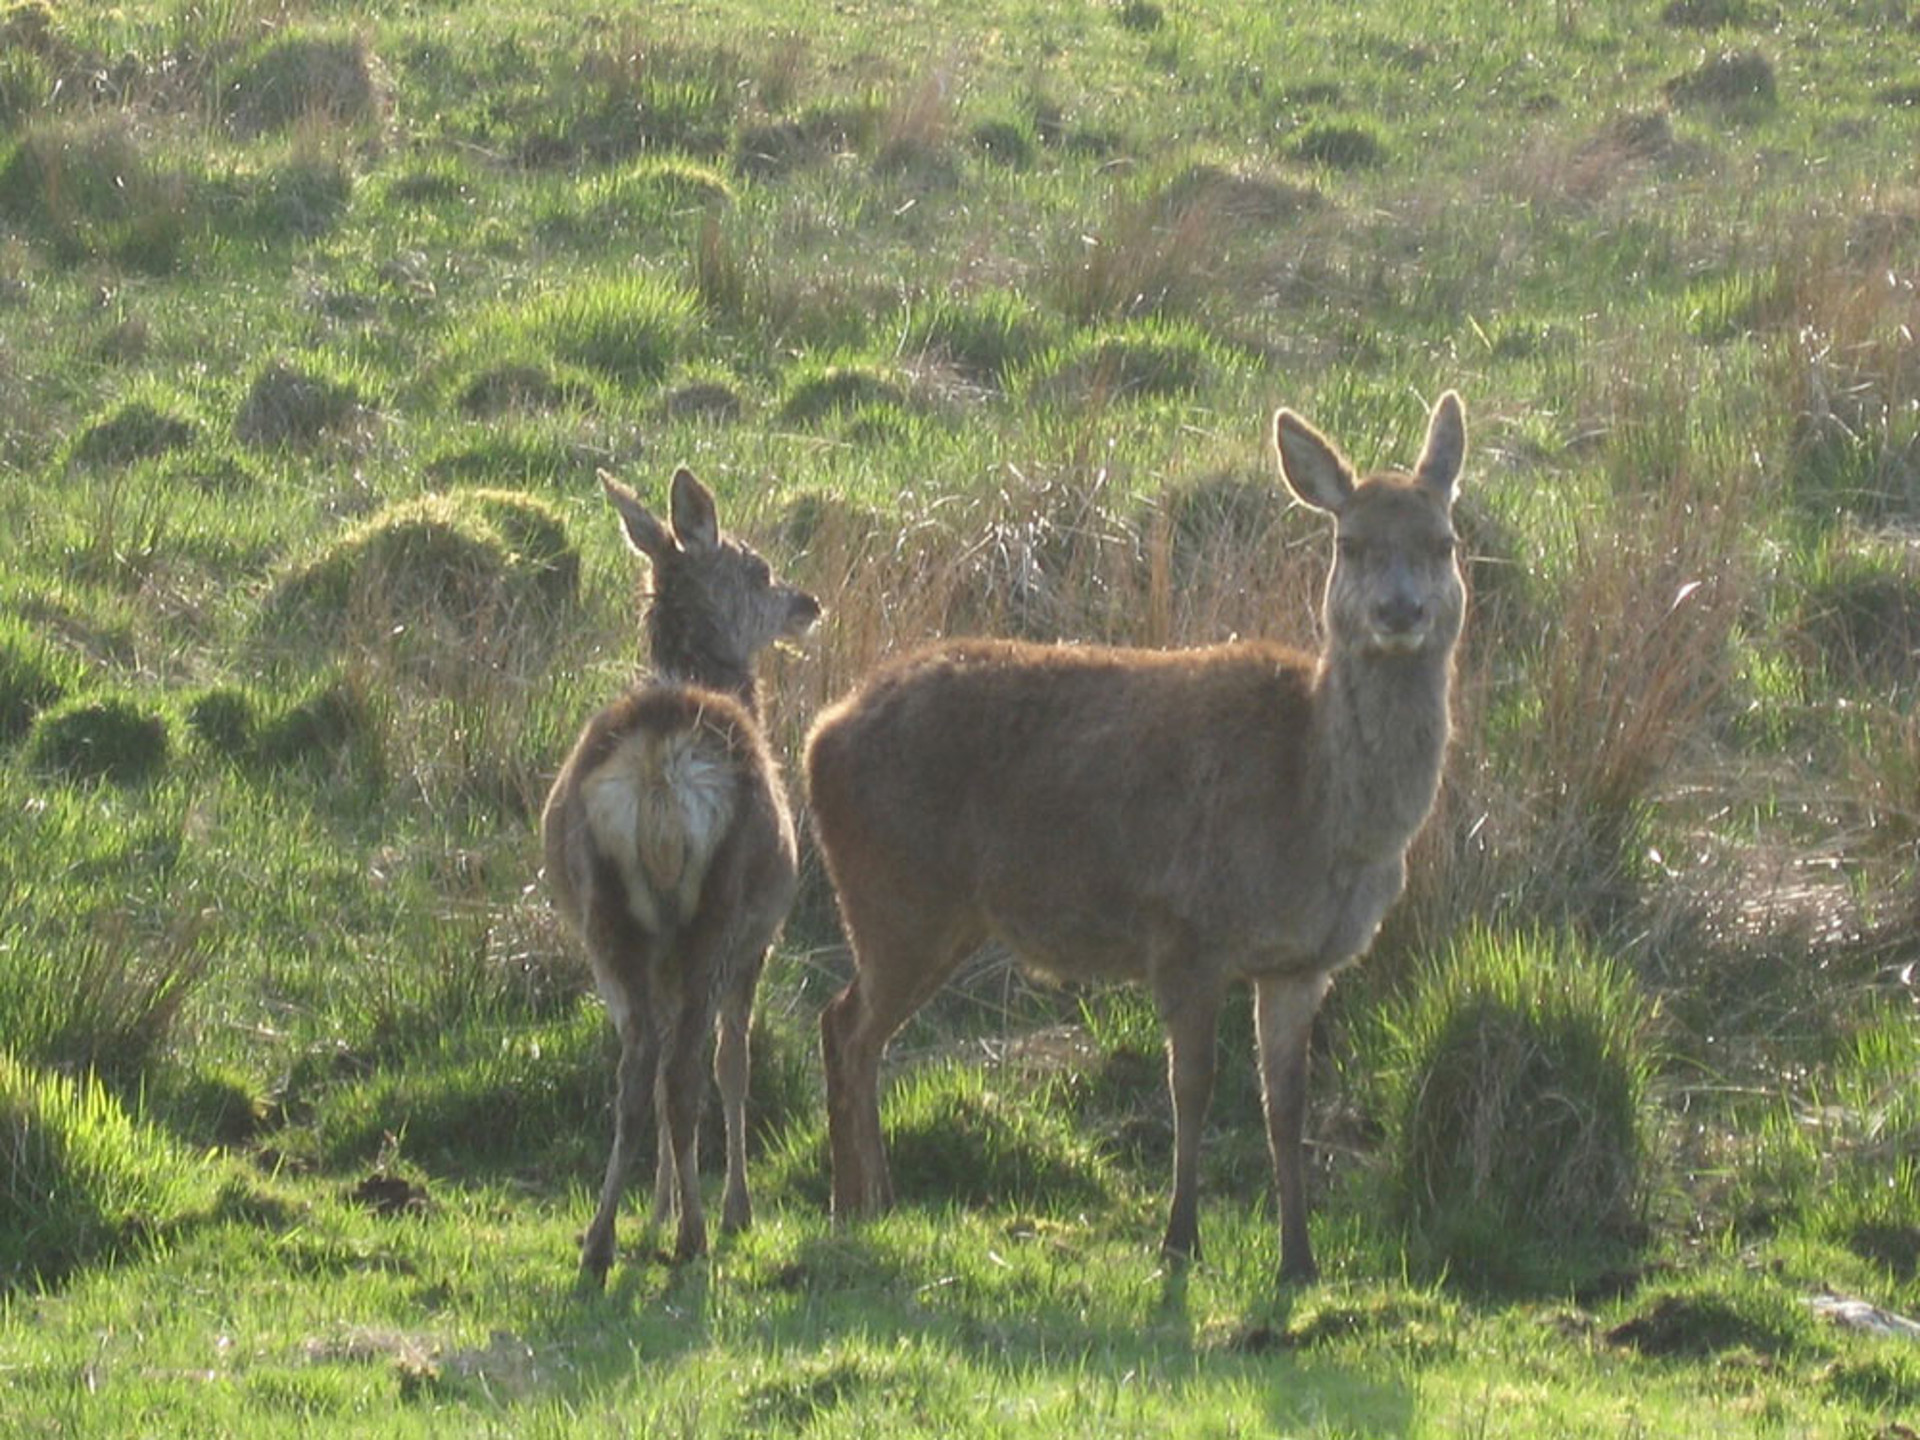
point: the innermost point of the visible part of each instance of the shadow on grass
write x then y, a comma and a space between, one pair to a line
916, 1312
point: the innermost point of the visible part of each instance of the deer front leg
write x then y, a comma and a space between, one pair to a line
1284, 1007
1191, 1020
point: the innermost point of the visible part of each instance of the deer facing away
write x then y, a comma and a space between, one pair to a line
1184, 819
670, 850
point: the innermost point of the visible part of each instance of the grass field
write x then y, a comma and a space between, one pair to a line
316, 321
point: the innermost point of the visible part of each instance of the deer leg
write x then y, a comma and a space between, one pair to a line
1284, 1007
732, 1070
1191, 1019
896, 970
634, 1088
682, 1083
850, 1047
663, 1176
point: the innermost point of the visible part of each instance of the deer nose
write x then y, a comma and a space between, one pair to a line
1399, 615
803, 611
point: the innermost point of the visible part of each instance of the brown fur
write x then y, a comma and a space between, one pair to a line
670, 849
1185, 819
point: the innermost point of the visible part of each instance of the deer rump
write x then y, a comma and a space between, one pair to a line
667, 774
1097, 810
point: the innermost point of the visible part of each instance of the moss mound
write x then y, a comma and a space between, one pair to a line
223, 721
470, 559
332, 722
510, 386
713, 400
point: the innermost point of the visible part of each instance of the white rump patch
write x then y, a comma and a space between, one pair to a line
657, 807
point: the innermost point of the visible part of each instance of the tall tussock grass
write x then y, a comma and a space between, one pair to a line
1515, 1079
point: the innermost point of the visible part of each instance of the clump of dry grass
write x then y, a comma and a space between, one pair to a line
1573, 732
1141, 261
916, 132
1851, 376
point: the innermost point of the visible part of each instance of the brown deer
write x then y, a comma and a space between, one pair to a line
670, 850
1185, 819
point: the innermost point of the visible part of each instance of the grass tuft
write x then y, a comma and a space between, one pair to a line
467, 563
90, 189
1859, 616
111, 738
986, 335
34, 675
819, 389
1515, 1112
301, 78
629, 329
1733, 79
295, 406
137, 430
1128, 363
1340, 147
84, 1181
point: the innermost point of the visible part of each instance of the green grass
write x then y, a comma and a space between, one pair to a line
315, 325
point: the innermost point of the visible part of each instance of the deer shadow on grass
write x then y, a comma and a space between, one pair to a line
1028, 1300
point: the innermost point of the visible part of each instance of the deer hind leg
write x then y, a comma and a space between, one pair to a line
664, 1182
732, 1071
902, 955
1191, 1014
682, 1087
639, 1049
1284, 1007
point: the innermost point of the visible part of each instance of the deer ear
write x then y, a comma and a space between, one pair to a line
1446, 448
644, 533
696, 523
1312, 466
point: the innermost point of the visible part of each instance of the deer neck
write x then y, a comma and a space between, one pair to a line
1381, 729
682, 655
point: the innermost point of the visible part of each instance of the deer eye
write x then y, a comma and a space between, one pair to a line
1443, 549
757, 571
